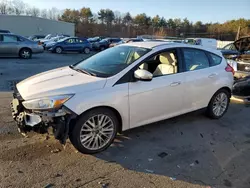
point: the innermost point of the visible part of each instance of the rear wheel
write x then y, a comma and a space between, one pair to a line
25, 53
94, 131
58, 50
218, 105
86, 50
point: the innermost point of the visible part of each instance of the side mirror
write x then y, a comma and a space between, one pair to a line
143, 75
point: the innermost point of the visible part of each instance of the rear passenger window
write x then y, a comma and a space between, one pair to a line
195, 59
215, 60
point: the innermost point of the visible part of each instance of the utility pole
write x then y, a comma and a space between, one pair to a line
238, 34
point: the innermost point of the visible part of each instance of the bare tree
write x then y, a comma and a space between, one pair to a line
18, 7
44, 13
4, 6
53, 13
35, 12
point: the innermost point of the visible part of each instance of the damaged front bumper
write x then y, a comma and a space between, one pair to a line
40, 121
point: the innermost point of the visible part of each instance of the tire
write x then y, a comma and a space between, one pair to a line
58, 50
86, 50
220, 99
91, 133
25, 53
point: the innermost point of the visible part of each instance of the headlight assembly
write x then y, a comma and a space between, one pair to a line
52, 102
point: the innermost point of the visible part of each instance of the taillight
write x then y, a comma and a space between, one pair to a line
229, 69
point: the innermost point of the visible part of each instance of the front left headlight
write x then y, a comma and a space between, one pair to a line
53, 102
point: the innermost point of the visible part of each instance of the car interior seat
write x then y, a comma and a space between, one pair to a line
166, 66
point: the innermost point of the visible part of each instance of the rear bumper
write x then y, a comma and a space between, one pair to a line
37, 50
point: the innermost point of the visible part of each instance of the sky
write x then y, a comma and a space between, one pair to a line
194, 10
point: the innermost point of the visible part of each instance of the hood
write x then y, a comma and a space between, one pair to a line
242, 44
58, 82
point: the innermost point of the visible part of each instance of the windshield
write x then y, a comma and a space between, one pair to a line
112, 60
230, 46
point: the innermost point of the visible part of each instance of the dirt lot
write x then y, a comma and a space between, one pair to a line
187, 151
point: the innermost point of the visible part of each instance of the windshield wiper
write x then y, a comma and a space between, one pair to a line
84, 71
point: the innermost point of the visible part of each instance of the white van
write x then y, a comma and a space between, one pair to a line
205, 42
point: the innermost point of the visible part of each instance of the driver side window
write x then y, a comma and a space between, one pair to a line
161, 64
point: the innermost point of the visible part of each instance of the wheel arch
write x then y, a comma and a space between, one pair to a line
227, 89
24, 48
117, 114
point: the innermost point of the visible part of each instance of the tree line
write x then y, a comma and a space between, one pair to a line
107, 22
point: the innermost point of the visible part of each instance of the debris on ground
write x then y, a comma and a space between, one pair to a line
192, 164
162, 154
172, 178
150, 171
49, 185
55, 151
178, 166
150, 159
58, 175
197, 162
104, 185
78, 179
201, 135
20, 172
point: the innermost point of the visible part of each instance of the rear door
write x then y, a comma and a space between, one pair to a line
9, 44
200, 78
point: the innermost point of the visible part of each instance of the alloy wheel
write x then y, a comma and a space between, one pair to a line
96, 132
220, 104
25, 54
58, 50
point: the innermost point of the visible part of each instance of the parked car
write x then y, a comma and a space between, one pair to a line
121, 88
134, 40
205, 42
71, 44
15, 45
48, 44
126, 41
105, 43
4, 31
36, 37
238, 55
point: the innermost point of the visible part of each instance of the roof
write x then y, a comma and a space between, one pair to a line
164, 44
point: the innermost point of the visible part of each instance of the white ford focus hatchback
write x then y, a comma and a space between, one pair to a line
122, 88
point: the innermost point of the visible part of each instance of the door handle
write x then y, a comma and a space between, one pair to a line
211, 75
175, 84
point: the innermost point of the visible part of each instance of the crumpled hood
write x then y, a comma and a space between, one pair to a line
242, 44
58, 82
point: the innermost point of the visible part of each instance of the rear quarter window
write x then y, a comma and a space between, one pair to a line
214, 59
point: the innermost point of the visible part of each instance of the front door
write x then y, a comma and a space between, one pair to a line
160, 98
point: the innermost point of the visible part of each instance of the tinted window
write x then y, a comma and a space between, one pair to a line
70, 41
215, 60
195, 59
9, 38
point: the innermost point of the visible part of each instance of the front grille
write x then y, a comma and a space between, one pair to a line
243, 67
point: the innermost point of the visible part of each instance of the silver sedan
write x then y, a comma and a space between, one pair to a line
15, 45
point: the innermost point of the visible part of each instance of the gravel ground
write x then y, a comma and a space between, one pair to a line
187, 151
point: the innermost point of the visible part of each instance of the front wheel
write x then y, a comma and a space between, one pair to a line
218, 105
58, 50
94, 131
